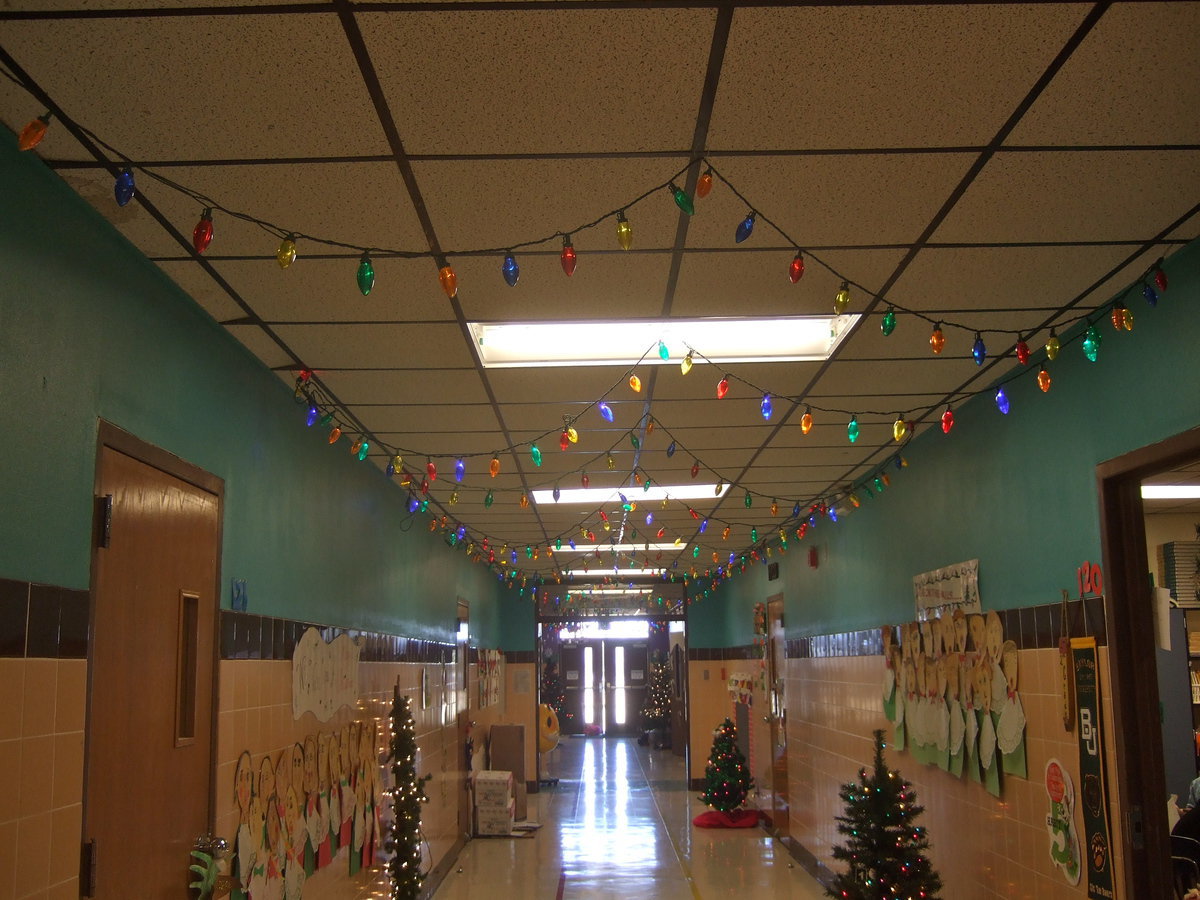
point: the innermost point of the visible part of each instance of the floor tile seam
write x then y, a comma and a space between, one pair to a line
679, 856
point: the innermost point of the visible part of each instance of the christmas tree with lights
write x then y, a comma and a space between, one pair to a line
888, 855
727, 781
553, 695
656, 712
408, 793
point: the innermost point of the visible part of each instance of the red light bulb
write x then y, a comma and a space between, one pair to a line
568, 256
947, 420
695, 468
722, 387
1022, 352
432, 470
564, 441
202, 234
796, 269
32, 134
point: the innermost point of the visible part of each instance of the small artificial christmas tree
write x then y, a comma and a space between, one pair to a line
727, 781
656, 712
408, 794
887, 853
552, 690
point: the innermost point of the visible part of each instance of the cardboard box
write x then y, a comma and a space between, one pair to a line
506, 750
494, 820
493, 789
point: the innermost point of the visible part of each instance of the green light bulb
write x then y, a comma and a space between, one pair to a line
489, 500
852, 429
888, 325
1091, 343
748, 500
753, 535
536, 455
366, 274
663, 353
633, 439
682, 200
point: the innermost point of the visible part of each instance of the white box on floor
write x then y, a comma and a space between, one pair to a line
494, 820
493, 789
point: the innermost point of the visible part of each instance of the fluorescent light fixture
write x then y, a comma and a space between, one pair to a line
598, 495
605, 592
619, 548
602, 569
721, 340
1171, 491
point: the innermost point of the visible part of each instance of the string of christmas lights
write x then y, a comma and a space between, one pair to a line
321, 409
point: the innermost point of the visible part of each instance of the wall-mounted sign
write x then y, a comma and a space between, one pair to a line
942, 591
1097, 849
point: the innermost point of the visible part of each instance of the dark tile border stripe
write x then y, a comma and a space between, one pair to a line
44, 621
716, 654
250, 636
1030, 627
520, 656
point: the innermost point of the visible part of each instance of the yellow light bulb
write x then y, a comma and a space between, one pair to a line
842, 300
624, 231
899, 428
686, 365
286, 254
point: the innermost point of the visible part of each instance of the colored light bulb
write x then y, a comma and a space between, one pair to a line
572, 434
682, 200
842, 299
1022, 349
454, 500
1053, 345
753, 535
624, 232
1044, 380
748, 500
686, 365
695, 468
796, 509
663, 353
1002, 401
611, 463
635, 383
123, 187
723, 387
494, 466
1127, 319
584, 481
725, 533
852, 429
314, 413
1091, 343
937, 340
1118, 315
363, 449
413, 503
33, 132
449, 281
202, 234
899, 428
524, 501
510, 270
535, 454
605, 411
334, 433
704, 184
796, 269
366, 274
774, 508
766, 407
431, 470
745, 227
704, 526
564, 441
1160, 277
979, 350
720, 487
947, 420
567, 257
460, 469
854, 501
806, 421
670, 449
556, 493
286, 254
633, 439
888, 325
397, 463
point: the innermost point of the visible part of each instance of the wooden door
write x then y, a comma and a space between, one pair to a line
149, 781
583, 687
777, 716
624, 687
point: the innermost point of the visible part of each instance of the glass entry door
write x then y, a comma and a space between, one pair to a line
604, 687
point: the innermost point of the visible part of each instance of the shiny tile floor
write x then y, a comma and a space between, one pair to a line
618, 824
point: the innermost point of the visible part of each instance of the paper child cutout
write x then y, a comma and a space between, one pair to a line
1060, 823
959, 624
978, 631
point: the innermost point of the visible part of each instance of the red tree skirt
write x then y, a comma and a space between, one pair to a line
738, 818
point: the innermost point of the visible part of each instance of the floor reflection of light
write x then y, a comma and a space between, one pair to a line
608, 839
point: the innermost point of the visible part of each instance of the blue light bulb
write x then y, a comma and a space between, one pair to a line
745, 228
606, 412
460, 469
510, 269
1150, 294
979, 350
671, 449
124, 188
313, 415
413, 503
1002, 402
766, 407
704, 526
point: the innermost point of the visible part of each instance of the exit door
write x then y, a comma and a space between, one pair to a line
604, 687
149, 741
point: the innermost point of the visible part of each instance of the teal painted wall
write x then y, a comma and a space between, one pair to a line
90, 329
1018, 492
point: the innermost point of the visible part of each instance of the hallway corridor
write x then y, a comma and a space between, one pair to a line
618, 824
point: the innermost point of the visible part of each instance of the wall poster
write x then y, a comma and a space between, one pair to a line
1097, 850
324, 676
942, 591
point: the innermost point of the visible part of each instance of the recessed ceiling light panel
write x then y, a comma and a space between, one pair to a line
612, 343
